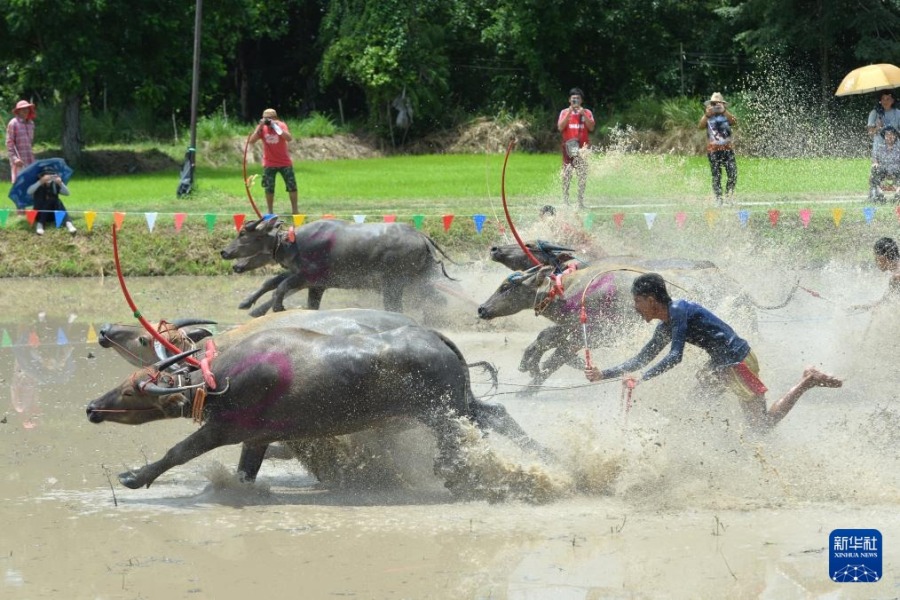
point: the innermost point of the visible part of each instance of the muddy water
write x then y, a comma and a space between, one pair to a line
699, 508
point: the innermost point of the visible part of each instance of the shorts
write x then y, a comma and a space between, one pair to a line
743, 379
287, 173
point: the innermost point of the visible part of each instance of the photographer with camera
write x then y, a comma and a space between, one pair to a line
575, 123
717, 122
46, 192
276, 157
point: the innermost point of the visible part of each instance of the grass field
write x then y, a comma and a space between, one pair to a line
468, 184
652, 192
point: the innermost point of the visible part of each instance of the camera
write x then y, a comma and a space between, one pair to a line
576, 101
267, 121
718, 108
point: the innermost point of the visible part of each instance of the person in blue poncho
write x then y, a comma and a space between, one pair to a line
731, 361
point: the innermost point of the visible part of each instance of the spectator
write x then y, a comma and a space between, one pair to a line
46, 192
719, 144
885, 164
19, 138
276, 157
575, 123
883, 115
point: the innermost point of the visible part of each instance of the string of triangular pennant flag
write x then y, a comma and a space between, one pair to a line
712, 216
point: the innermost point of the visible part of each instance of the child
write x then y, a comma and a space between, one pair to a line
46, 192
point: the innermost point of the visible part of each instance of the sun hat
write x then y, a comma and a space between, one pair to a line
26, 104
716, 97
270, 113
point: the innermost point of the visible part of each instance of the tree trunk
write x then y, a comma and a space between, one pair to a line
71, 130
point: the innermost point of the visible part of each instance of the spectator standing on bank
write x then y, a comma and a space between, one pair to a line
883, 115
575, 123
276, 157
717, 122
19, 137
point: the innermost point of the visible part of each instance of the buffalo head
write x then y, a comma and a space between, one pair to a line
147, 395
138, 347
513, 257
515, 294
255, 237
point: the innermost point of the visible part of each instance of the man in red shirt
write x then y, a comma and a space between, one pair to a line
575, 124
19, 137
276, 157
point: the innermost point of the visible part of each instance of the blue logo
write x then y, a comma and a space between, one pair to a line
855, 555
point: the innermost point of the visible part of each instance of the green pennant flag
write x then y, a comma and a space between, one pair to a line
418, 220
210, 221
588, 220
4, 214
6, 343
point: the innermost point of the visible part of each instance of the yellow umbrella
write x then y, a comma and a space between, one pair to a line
870, 78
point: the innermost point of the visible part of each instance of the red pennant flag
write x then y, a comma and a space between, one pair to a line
179, 220
239, 221
33, 340
897, 210
773, 217
448, 220
31, 214
680, 218
328, 216
390, 218
618, 218
805, 215
502, 228
118, 219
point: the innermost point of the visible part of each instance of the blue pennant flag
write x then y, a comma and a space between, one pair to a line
479, 222
869, 213
744, 216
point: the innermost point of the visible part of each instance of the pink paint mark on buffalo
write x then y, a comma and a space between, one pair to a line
252, 415
605, 285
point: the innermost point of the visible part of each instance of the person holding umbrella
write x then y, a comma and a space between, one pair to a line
19, 137
46, 192
883, 115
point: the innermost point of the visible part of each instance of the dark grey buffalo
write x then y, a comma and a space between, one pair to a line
604, 289
388, 257
291, 383
139, 348
514, 258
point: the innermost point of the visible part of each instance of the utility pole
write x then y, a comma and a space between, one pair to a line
186, 183
681, 62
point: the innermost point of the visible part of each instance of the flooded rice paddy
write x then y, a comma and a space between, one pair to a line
672, 499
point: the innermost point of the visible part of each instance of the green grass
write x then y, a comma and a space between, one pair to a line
467, 184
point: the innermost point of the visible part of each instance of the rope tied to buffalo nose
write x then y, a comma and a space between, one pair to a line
557, 290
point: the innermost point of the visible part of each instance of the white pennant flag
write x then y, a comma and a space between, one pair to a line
151, 220
650, 218
359, 218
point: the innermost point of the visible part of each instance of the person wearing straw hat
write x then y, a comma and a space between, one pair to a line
732, 364
46, 192
717, 122
276, 157
19, 137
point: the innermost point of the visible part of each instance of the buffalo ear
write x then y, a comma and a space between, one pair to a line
252, 225
272, 224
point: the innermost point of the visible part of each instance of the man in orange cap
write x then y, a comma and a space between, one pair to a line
19, 137
275, 136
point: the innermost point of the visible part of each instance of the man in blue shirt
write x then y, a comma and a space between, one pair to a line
731, 360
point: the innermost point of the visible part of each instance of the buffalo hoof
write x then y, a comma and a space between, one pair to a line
130, 480
259, 311
245, 304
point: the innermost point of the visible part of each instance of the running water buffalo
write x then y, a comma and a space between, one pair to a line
514, 258
136, 346
292, 383
389, 257
605, 287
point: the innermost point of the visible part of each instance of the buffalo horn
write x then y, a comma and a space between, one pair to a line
179, 323
166, 363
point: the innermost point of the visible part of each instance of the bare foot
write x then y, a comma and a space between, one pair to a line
818, 378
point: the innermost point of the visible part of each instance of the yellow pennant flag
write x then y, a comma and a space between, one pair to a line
91, 334
298, 220
89, 216
711, 217
837, 214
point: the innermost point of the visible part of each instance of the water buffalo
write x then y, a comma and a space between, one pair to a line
607, 302
136, 346
389, 257
514, 258
292, 383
